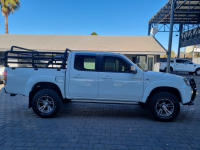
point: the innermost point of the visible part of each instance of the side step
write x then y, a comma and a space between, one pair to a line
105, 101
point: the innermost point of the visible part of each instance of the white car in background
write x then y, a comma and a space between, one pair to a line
181, 64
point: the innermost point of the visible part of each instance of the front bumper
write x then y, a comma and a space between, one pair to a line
193, 90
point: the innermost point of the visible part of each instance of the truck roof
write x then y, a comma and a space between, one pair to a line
96, 52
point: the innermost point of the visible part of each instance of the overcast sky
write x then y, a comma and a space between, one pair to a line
82, 17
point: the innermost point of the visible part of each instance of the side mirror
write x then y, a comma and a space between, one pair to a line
133, 69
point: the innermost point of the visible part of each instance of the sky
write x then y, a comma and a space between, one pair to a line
82, 17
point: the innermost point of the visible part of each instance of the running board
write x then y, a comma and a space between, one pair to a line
105, 102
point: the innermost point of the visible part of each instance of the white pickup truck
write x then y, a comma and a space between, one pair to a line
91, 76
181, 64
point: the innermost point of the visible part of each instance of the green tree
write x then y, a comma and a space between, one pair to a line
93, 33
8, 6
173, 54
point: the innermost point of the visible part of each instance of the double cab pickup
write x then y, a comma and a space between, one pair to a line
50, 78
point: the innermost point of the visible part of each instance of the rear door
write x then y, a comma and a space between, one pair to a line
83, 82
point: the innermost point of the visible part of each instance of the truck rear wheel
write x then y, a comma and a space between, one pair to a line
197, 72
164, 106
47, 103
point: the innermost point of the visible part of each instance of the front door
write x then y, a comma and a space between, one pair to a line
189, 66
117, 83
83, 77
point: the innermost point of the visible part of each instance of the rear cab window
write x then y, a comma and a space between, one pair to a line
85, 62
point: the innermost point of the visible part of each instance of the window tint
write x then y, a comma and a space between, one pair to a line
183, 61
115, 64
172, 60
84, 62
188, 62
180, 61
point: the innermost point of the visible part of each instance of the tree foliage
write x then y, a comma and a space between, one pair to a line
8, 6
93, 33
173, 55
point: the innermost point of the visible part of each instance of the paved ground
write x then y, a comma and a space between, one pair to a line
96, 126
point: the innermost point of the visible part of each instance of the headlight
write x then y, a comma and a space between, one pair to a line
186, 81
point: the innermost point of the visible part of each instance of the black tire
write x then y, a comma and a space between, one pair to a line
191, 73
197, 72
170, 70
47, 98
170, 100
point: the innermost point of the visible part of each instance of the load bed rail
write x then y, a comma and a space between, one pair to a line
24, 57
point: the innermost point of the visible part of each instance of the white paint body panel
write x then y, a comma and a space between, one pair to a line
21, 80
156, 79
120, 86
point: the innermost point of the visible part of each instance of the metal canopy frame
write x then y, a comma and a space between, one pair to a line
183, 17
185, 12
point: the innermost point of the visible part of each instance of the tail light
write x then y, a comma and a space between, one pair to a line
160, 64
5, 77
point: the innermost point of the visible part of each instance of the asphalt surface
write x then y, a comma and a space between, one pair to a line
83, 126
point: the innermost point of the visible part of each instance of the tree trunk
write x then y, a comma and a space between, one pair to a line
6, 24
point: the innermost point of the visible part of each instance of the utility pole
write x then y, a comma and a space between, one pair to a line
170, 36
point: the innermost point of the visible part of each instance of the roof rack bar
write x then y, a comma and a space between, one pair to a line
22, 48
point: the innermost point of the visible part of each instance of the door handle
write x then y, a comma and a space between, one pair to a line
106, 77
78, 76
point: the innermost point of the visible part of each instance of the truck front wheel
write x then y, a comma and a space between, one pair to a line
46, 103
164, 106
197, 71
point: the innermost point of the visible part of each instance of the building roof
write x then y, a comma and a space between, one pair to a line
121, 44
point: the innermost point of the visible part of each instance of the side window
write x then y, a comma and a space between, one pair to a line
85, 62
171, 60
179, 61
188, 62
115, 64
